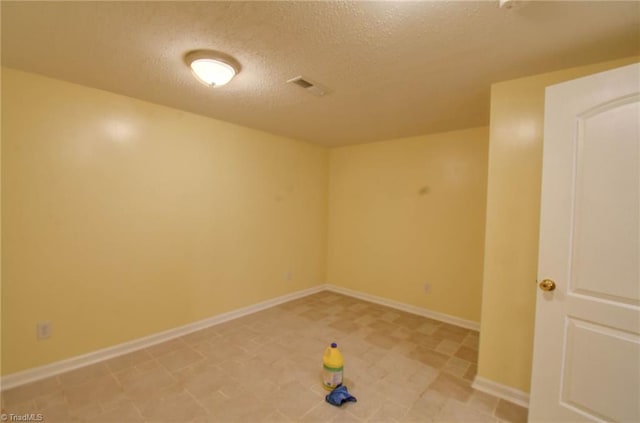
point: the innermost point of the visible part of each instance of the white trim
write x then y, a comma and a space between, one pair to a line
457, 321
31, 375
499, 390
48, 370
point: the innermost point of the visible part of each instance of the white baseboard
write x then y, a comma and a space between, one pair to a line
499, 390
468, 324
31, 375
48, 370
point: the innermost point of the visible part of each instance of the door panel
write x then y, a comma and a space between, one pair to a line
605, 233
586, 364
600, 353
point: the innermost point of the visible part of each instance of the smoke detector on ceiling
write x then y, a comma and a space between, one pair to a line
308, 85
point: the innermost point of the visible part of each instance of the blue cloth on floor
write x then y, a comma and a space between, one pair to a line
339, 396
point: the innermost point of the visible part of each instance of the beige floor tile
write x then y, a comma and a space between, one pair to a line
447, 347
404, 348
94, 391
220, 351
451, 333
429, 357
124, 413
429, 327
382, 340
142, 386
457, 367
26, 406
427, 406
214, 403
266, 367
204, 383
467, 354
471, 373
483, 402
172, 407
30, 391
142, 367
262, 388
472, 341
390, 315
314, 315
323, 412
409, 321
84, 374
423, 377
348, 417
58, 413
294, 400
398, 393
271, 352
402, 366
364, 320
402, 333
84, 412
275, 417
374, 354
389, 412
510, 412
128, 360
345, 326
180, 358
247, 409
55, 398
456, 412
452, 387
382, 326
422, 340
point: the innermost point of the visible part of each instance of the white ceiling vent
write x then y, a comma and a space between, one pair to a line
310, 86
512, 4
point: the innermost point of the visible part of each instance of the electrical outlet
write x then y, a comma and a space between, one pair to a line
43, 330
427, 287
289, 276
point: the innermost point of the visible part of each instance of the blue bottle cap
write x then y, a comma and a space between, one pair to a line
334, 345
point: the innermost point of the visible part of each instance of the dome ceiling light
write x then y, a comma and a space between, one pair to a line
212, 68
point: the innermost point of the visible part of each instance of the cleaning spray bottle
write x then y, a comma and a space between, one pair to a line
332, 367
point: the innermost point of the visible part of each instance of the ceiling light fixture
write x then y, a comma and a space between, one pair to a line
212, 68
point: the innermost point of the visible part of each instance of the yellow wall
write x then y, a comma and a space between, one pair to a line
513, 203
407, 212
123, 218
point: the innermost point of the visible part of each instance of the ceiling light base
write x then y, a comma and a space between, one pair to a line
212, 68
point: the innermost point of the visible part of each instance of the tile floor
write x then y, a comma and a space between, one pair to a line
266, 368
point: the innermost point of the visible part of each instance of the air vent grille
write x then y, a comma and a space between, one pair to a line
310, 86
301, 82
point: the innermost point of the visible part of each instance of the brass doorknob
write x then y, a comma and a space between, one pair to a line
547, 285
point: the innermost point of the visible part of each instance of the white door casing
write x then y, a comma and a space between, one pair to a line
586, 364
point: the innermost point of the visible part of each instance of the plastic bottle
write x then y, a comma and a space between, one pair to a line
332, 367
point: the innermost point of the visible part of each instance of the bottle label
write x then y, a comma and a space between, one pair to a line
331, 376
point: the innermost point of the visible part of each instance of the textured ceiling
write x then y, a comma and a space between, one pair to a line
393, 69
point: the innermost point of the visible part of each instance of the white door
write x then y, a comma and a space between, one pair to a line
586, 364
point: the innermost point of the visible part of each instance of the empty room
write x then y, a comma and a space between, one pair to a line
334, 211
